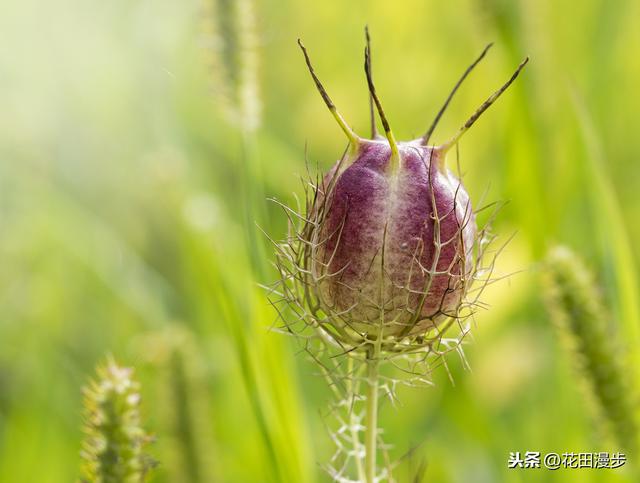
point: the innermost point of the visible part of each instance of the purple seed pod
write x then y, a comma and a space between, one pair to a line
393, 245
376, 267
387, 250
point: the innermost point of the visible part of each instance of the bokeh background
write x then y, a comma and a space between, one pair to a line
139, 142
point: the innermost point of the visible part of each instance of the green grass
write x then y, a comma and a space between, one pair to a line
127, 199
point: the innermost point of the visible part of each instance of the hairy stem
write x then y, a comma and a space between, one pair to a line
371, 423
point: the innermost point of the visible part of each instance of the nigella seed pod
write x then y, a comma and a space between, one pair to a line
377, 267
387, 250
393, 246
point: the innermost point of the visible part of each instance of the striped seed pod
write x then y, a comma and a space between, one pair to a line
390, 235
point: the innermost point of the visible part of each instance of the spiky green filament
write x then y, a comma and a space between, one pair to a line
112, 449
354, 140
483, 107
577, 309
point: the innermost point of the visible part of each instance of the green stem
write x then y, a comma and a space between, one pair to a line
371, 434
355, 440
254, 204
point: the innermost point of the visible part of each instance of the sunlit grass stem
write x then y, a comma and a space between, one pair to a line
235, 23
191, 455
613, 235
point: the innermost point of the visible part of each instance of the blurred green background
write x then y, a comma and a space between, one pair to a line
128, 198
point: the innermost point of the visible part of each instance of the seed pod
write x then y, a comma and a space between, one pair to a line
393, 244
391, 231
377, 267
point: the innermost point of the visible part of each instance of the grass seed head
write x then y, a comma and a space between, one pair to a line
114, 438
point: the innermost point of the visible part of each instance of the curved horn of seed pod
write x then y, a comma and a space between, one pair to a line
354, 139
483, 107
434, 124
